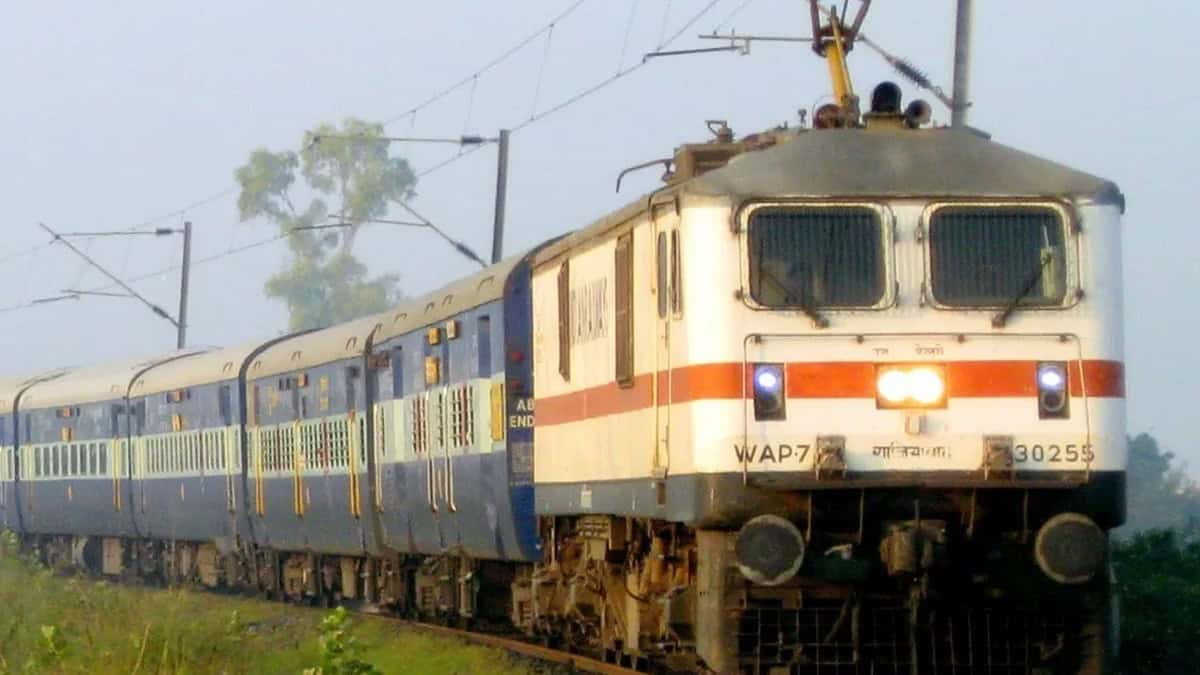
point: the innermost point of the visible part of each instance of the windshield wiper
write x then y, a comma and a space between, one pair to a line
1001, 318
790, 296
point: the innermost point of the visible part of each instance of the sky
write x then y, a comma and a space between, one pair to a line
136, 114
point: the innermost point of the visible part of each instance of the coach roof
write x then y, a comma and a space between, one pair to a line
12, 386
206, 368
92, 384
305, 350
447, 301
897, 163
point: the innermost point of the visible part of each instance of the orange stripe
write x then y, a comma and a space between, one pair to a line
846, 379
606, 399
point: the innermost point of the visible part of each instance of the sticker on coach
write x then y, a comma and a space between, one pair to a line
1053, 453
767, 453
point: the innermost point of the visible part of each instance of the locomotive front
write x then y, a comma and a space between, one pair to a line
922, 444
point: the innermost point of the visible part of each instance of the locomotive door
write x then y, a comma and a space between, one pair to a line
665, 300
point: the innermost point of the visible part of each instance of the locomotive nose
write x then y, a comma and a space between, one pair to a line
769, 550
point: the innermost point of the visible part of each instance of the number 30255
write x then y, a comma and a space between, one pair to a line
1052, 454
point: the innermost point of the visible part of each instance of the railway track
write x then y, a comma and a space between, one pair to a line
571, 662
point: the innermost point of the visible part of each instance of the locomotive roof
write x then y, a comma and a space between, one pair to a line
204, 368
869, 163
897, 163
92, 384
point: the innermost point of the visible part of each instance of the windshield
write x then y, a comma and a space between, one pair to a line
983, 256
816, 257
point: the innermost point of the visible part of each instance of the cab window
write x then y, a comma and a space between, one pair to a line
990, 256
810, 257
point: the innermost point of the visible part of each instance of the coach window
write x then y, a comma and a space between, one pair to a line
397, 363
811, 257
114, 418
225, 405
292, 382
483, 336
351, 387
255, 398
103, 459
623, 309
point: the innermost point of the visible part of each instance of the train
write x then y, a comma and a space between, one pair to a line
846, 398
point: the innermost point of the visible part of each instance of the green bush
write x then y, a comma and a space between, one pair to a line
1158, 581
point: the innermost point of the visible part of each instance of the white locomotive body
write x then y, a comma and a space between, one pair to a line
880, 347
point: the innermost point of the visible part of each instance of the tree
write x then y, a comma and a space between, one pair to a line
1158, 581
350, 176
1160, 496
1157, 564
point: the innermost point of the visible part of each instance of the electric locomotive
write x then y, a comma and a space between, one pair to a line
877, 371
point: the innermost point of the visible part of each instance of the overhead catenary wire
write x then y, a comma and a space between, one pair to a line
501, 58
662, 30
732, 15
537, 88
470, 108
633, 5
83, 266
165, 270
182, 211
25, 251
571, 100
533, 119
578, 96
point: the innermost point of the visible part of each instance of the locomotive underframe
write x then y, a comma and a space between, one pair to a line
643, 591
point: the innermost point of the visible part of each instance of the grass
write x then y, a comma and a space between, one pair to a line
52, 624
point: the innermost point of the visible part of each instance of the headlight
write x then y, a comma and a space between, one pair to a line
922, 386
893, 386
926, 385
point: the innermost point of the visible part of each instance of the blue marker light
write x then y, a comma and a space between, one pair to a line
1051, 378
770, 402
767, 380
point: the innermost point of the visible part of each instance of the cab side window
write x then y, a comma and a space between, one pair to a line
623, 305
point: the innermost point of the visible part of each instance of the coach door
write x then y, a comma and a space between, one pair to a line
228, 444
666, 305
